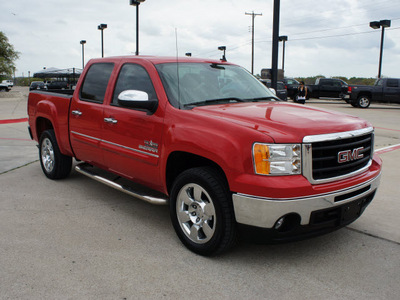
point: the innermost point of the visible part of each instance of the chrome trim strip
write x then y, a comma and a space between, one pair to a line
335, 193
131, 149
336, 136
264, 212
114, 144
87, 136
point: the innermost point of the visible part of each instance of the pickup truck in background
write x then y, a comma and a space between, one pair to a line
385, 90
211, 141
6, 85
327, 87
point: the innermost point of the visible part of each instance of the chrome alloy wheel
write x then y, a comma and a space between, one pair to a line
196, 213
363, 102
47, 154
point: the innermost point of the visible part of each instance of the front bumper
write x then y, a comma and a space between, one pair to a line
265, 212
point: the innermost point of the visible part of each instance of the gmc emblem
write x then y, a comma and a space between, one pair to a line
348, 155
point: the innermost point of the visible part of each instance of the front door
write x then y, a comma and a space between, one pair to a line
132, 138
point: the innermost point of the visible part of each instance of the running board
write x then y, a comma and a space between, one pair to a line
134, 190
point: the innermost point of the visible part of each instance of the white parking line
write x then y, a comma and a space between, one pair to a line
387, 149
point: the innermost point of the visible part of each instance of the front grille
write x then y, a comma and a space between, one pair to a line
335, 158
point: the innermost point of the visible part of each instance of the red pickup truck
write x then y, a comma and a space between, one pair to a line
211, 141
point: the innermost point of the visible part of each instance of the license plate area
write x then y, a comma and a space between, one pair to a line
351, 211
340, 215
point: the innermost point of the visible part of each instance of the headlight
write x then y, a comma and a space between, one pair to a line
277, 159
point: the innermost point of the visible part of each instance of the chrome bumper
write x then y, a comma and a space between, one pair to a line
264, 212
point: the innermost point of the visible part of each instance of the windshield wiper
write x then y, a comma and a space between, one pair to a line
261, 99
205, 102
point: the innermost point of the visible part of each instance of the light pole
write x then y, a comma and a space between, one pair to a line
101, 27
376, 25
283, 39
252, 38
83, 42
137, 3
223, 48
275, 44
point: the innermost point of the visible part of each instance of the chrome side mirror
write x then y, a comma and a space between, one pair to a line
137, 99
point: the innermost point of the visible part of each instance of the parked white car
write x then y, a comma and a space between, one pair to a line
8, 82
4, 86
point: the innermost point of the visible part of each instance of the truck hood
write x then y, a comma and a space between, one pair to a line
284, 122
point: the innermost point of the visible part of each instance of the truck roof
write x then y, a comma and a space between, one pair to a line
159, 59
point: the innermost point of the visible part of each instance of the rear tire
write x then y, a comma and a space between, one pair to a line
363, 101
202, 211
55, 165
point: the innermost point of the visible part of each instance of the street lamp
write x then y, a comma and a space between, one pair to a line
136, 3
101, 27
83, 42
189, 54
376, 25
283, 39
223, 48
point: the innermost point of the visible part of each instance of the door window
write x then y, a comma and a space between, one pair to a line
96, 81
133, 77
392, 83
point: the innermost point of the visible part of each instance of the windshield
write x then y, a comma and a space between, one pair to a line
193, 84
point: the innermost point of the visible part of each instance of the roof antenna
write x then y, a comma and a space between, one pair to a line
177, 68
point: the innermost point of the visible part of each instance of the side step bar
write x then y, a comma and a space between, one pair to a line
143, 194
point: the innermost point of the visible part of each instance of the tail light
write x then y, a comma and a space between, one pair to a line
349, 89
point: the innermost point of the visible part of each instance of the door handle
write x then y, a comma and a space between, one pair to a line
110, 120
76, 113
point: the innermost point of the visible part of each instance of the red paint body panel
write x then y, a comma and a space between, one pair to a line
138, 145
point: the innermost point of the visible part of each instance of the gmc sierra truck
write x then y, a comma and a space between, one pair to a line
385, 90
211, 141
327, 87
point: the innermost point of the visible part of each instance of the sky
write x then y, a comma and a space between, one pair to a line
330, 38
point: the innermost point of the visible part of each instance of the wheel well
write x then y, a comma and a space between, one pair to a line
364, 94
181, 161
42, 124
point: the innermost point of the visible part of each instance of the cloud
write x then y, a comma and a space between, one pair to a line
324, 37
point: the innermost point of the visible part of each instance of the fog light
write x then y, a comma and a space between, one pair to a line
279, 223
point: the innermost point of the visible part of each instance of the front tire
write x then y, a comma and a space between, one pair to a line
363, 101
202, 212
55, 165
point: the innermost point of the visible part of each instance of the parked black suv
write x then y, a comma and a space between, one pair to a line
291, 86
281, 91
37, 85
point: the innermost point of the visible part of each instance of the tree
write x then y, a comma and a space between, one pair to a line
8, 56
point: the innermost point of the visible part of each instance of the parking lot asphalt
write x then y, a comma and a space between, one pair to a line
78, 239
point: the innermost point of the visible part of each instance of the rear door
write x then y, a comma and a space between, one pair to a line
324, 87
132, 137
392, 91
86, 114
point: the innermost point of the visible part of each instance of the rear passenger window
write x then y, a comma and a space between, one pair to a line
133, 77
392, 83
96, 81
